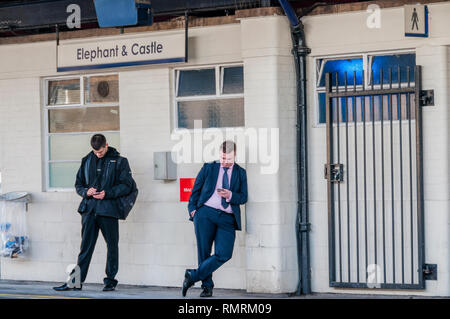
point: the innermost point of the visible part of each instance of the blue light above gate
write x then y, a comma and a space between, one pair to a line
342, 66
117, 13
393, 62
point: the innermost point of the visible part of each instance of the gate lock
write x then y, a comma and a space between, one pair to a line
336, 172
430, 271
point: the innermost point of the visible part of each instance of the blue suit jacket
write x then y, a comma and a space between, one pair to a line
205, 185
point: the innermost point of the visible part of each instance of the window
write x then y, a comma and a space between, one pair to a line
214, 95
378, 66
352, 66
75, 109
393, 61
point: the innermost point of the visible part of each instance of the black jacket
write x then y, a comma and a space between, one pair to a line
115, 181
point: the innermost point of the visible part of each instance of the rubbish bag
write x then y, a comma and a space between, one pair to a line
13, 229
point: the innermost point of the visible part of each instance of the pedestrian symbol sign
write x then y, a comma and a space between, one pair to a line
416, 20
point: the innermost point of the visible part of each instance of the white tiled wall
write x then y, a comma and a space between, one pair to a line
157, 242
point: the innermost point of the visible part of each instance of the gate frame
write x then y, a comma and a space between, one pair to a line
417, 90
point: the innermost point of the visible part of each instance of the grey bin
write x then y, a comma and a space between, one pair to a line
14, 238
18, 197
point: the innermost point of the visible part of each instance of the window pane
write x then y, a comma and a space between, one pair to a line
197, 82
64, 92
213, 113
74, 147
91, 119
62, 175
233, 80
342, 66
322, 108
393, 61
101, 89
343, 109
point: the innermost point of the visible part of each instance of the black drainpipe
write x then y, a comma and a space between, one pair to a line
300, 51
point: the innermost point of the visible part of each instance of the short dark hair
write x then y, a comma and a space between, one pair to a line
228, 147
98, 141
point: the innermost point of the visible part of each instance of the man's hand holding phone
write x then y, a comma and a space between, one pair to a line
91, 191
99, 195
225, 193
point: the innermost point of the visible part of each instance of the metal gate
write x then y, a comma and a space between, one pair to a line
374, 177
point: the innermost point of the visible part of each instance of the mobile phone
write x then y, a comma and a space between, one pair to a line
96, 193
220, 189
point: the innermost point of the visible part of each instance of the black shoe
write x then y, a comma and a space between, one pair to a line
188, 282
207, 292
65, 287
109, 287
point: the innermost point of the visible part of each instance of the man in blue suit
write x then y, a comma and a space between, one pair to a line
219, 189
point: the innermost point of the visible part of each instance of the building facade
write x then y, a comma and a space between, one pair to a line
47, 118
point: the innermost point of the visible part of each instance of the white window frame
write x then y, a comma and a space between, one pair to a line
47, 134
219, 89
366, 67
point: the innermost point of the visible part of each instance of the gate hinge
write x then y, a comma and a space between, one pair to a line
426, 98
430, 271
336, 173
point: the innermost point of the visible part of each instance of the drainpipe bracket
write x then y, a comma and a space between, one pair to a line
301, 50
304, 227
299, 28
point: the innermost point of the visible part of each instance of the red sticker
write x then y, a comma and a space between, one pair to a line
186, 185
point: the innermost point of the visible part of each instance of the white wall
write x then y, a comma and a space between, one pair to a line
157, 242
270, 103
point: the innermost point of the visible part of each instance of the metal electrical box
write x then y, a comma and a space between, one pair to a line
164, 167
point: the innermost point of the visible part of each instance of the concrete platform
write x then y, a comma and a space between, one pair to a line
44, 290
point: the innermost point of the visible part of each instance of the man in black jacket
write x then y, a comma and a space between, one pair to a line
101, 179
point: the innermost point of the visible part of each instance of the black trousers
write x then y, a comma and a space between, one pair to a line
109, 227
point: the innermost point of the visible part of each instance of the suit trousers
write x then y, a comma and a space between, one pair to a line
91, 224
212, 226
